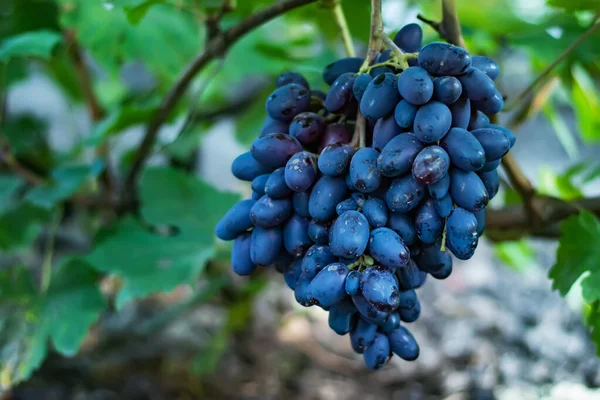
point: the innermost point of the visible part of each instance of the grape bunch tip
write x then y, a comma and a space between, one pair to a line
356, 230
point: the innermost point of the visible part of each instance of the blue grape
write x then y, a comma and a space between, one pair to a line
403, 344
409, 38
274, 149
439, 58
300, 172
364, 174
379, 287
404, 114
241, 263
432, 260
461, 233
318, 233
288, 77
447, 89
495, 143
295, 236
340, 93
464, 149
307, 127
276, 186
409, 276
391, 323
375, 210
359, 198
339, 67
438, 189
443, 205
490, 166
334, 160
398, 155
273, 126
349, 235
360, 85
467, 190
352, 285
480, 216
476, 85
265, 245
384, 56
415, 86
432, 122
431, 165
511, 136
346, 205
410, 314
269, 213
387, 248
349, 183
461, 112
255, 195
404, 226
486, 65
478, 120
404, 194
328, 287
491, 181
375, 72
429, 223
315, 259
300, 203
292, 272
368, 312
490, 105
377, 354
380, 97
335, 133
258, 183
246, 168
362, 336
408, 299
342, 317
385, 130
301, 290
236, 221
325, 195
288, 101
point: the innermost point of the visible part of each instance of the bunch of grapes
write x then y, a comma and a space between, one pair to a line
356, 222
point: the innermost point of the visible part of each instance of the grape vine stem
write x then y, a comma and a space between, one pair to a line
342, 24
216, 47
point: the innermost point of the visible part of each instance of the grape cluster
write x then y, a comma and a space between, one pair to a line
355, 230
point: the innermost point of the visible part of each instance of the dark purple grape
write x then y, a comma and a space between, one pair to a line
380, 97
385, 130
316, 258
281, 262
388, 249
443, 205
379, 287
349, 235
334, 160
375, 72
269, 213
404, 194
291, 77
404, 226
447, 89
409, 315
360, 85
434, 261
477, 85
461, 112
491, 181
273, 126
274, 150
300, 172
480, 216
276, 187
377, 354
292, 272
398, 155
300, 203
364, 174
403, 344
328, 287
511, 136
464, 149
265, 245
375, 211
363, 336
495, 143
241, 263
288, 101
409, 38
486, 65
467, 190
415, 86
318, 233
246, 168
352, 284
439, 58
428, 223
236, 221
490, 166
307, 127
295, 236
392, 323
478, 120
409, 276
461, 233
325, 195
339, 67
439, 189
359, 198
335, 133
368, 312
430, 165
490, 105
432, 122
340, 93
404, 114
301, 290
342, 317
258, 184
346, 205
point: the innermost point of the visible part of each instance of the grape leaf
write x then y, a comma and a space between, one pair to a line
586, 105
119, 120
518, 254
575, 5
578, 253
9, 185
29, 44
136, 13
20, 225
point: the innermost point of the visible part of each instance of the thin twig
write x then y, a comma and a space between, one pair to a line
216, 47
342, 24
46, 273
11, 162
449, 27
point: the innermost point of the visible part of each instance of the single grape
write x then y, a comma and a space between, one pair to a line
409, 315
301, 290
476, 85
404, 114
434, 261
478, 120
385, 130
300, 172
236, 221
288, 77
265, 245
490, 166
376, 212
464, 149
328, 287
438, 189
375, 72
404, 226
295, 236
511, 136
316, 258
342, 318
447, 89
339, 67
428, 223
379, 287
467, 190
368, 312
335, 133
269, 213
300, 203
490, 105
364, 174
398, 155
349, 235
491, 181
258, 183
307, 127
291, 273
380, 97
359, 198
325, 195
246, 168
276, 187
432, 122
404, 194
409, 276
360, 85
346, 205
443, 205
403, 344
318, 233
486, 65
241, 263
392, 323
334, 160
431, 165
273, 126
409, 38
387, 248
415, 86
352, 285
288, 101
255, 195
480, 216
281, 262
461, 112
274, 149
439, 58
363, 336
461, 233
377, 354
340, 93
495, 143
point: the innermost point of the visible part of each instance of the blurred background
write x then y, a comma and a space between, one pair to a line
104, 301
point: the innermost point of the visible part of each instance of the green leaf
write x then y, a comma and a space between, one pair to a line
249, 122
575, 5
586, 105
560, 186
578, 252
29, 44
149, 262
26, 134
119, 120
20, 225
9, 185
64, 183
562, 131
135, 14
517, 255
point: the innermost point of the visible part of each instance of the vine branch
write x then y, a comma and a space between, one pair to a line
449, 27
340, 20
215, 48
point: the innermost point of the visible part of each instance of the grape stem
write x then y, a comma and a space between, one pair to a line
340, 20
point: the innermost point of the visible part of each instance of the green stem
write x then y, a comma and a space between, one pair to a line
443, 246
342, 24
49, 254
